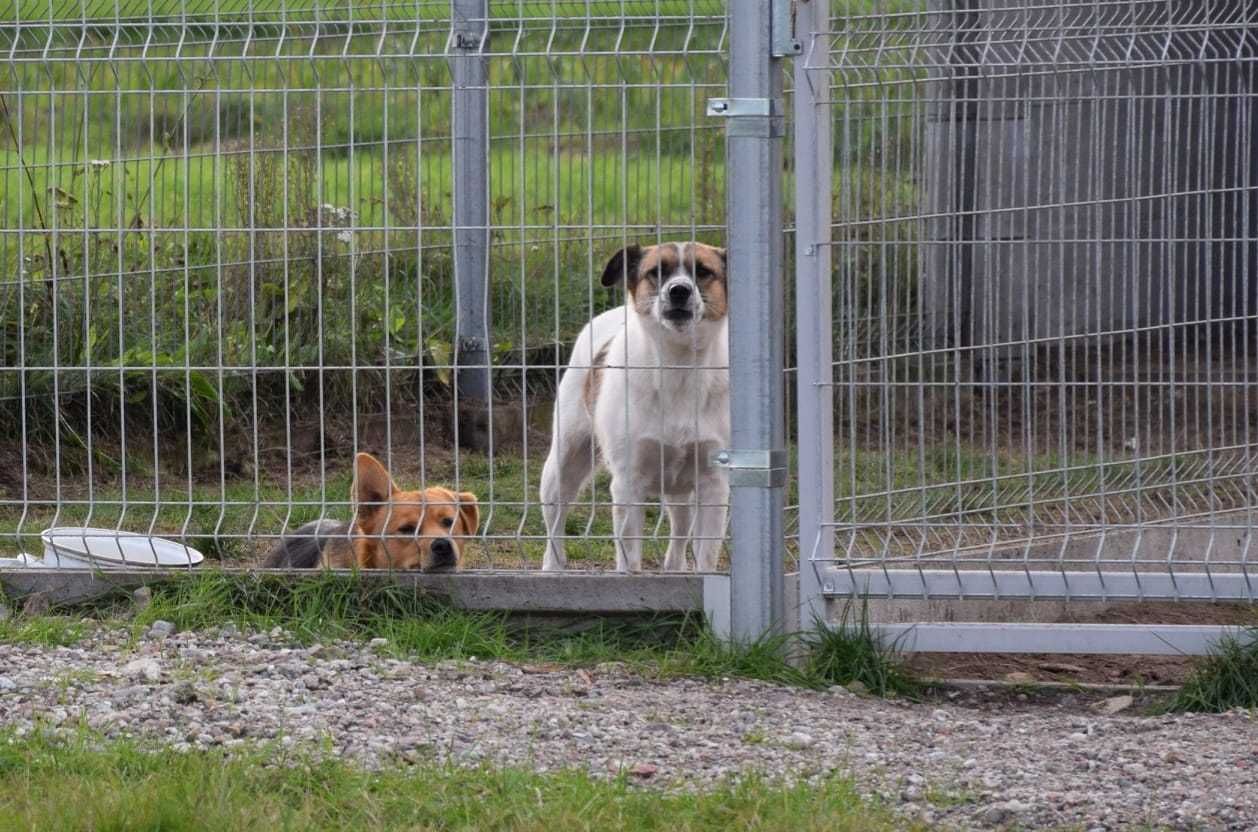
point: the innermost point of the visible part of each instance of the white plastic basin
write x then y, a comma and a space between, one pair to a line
74, 547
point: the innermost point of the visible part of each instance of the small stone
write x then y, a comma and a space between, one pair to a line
277, 632
378, 643
36, 604
838, 690
969, 762
161, 630
857, 687
6, 683
1115, 704
142, 597
643, 770
229, 630
185, 693
147, 669
1001, 813
1018, 677
799, 740
996, 815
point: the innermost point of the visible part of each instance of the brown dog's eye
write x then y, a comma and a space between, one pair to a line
447, 521
409, 528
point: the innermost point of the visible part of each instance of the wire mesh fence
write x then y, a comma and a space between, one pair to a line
231, 239
1043, 233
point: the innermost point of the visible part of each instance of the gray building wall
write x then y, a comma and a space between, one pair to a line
1089, 170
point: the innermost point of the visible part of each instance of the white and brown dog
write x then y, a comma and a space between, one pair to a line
647, 387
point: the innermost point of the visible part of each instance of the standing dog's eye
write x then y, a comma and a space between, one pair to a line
702, 272
447, 521
409, 528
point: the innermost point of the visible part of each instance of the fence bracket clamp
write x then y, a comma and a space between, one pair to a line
744, 107
750, 117
759, 468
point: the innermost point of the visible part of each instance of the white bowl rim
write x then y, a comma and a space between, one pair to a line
70, 539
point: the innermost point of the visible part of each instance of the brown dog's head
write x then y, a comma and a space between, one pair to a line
397, 529
678, 286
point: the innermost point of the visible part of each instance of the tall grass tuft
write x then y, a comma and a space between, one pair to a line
850, 652
1226, 679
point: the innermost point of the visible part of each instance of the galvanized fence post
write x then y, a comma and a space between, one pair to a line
756, 459
470, 192
814, 338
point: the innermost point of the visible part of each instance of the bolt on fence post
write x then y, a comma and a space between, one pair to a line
814, 337
757, 336
469, 37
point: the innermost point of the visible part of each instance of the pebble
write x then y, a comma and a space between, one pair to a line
1115, 772
141, 598
161, 630
147, 669
799, 740
1116, 704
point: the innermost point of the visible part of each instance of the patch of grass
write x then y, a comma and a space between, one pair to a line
330, 607
43, 630
326, 607
86, 783
849, 652
1226, 679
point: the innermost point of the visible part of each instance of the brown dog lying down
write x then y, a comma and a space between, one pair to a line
392, 529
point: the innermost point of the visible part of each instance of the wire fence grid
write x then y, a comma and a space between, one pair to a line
229, 250
230, 245
1043, 235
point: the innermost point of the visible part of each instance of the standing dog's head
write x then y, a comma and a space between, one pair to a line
397, 529
679, 286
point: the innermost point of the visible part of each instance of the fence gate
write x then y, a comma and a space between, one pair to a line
1026, 332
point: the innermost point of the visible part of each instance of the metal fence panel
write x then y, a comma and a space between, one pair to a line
1043, 233
244, 239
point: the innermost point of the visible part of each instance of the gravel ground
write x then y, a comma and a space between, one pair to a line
965, 763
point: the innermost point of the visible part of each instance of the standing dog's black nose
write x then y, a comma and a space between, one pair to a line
678, 294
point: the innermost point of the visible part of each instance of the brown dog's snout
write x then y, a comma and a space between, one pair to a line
443, 554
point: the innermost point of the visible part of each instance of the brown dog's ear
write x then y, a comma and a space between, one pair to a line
724, 260
623, 265
469, 512
372, 489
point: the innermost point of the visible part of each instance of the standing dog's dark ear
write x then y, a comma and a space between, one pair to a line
623, 265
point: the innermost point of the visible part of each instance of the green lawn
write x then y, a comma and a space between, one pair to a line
88, 783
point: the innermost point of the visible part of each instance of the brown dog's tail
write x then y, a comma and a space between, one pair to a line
303, 549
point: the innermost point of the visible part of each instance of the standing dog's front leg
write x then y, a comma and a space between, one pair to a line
680, 529
713, 498
628, 515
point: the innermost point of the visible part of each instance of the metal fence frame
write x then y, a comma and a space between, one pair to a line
887, 53
829, 54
